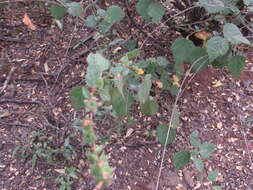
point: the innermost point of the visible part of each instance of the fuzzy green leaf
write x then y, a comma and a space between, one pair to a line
216, 47
119, 83
120, 105
206, 149
248, 2
150, 107
57, 12
198, 163
89, 136
233, 34
91, 21
133, 54
142, 7
212, 6
181, 159
114, 14
162, 61
96, 65
197, 57
217, 187
161, 132
144, 90
181, 50
130, 45
236, 64
220, 62
194, 139
213, 175
156, 11
176, 119
104, 26
77, 97
75, 9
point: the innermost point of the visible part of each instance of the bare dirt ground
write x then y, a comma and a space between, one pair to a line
35, 108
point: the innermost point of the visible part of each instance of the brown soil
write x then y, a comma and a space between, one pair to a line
36, 102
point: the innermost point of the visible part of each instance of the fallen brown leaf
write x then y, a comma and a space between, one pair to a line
27, 21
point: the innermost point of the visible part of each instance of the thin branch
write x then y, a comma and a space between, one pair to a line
247, 146
7, 80
19, 102
156, 43
162, 25
180, 91
59, 3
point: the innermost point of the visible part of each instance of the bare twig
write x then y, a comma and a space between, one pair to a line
156, 43
8, 39
19, 102
29, 1
7, 80
247, 146
162, 25
180, 91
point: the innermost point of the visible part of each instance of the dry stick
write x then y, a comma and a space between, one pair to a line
161, 26
155, 42
247, 146
69, 46
244, 22
19, 102
180, 91
27, 1
246, 143
7, 80
66, 53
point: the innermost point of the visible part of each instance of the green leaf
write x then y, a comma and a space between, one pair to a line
57, 12
104, 94
150, 107
115, 41
236, 64
216, 187
130, 45
101, 12
144, 90
96, 65
176, 119
114, 14
162, 61
198, 163
248, 2
212, 6
216, 47
89, 136
34, 160
77, 97
91, 21
181, 159
206, 149
104, 26
119, 82
181, 50
194, 139
120, 105
173, 89
233, 34
156, 11
142, 7
133, 54
220, 62
75, 9
197, 57
162, 131
213, 175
